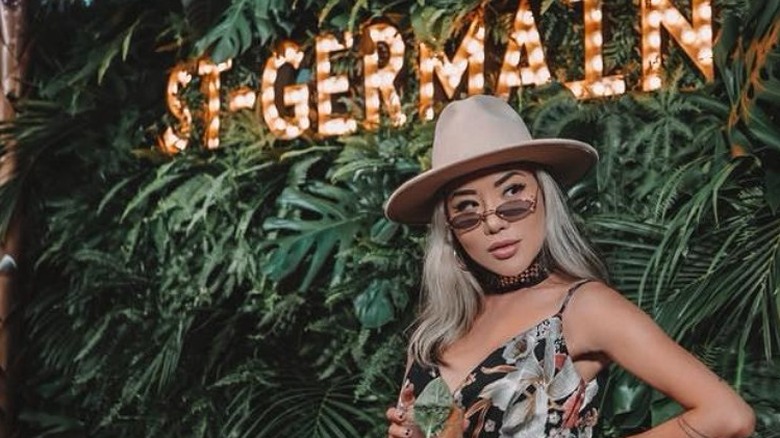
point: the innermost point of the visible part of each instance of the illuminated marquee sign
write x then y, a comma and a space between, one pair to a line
694, 37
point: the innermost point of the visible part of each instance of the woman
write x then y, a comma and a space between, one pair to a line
517, 318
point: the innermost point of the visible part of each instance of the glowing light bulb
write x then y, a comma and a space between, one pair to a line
292, 131
453, 80
268, 95
542, 76
427, 89
596, 63
705, 11
654, 18
653, 82
183, 76
688, 36
323, 67
527, 76
513, 57
654, 39
577, 89
536, 56
705, 33
598, 89
289, 53
705, 55
389, 33
672, 17
479, 80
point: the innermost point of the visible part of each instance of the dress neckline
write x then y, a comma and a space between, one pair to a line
475, 368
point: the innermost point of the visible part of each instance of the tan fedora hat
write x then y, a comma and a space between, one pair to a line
480, 132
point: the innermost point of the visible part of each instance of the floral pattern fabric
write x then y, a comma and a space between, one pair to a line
527, 388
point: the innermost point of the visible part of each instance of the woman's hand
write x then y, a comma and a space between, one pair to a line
401, 416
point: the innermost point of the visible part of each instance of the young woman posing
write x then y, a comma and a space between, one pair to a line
517, 318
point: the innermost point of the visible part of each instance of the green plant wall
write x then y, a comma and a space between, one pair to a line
257, 290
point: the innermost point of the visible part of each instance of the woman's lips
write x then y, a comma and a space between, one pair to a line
504, 249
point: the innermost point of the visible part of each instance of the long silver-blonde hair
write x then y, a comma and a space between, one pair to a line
452, 297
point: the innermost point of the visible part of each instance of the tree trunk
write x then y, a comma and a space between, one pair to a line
11, 69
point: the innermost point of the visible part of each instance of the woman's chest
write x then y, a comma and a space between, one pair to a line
528, 384
489, 334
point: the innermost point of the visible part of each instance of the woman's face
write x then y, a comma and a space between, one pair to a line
505, 243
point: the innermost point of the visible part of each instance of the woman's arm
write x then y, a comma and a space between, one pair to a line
601, 320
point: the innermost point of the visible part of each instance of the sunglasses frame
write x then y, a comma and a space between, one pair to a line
481, 217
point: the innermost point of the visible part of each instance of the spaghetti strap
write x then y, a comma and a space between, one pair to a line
570, 293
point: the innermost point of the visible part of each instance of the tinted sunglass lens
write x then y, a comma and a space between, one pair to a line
514, 210
465, 221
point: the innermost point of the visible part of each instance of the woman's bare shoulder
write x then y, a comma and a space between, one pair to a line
596, 312
599, 297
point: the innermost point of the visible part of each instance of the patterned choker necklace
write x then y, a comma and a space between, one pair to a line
495, 284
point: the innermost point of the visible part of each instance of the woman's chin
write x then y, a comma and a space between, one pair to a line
506, 267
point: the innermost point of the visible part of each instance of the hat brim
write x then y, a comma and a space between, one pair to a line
567, 160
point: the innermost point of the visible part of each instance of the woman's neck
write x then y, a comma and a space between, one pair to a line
495, 284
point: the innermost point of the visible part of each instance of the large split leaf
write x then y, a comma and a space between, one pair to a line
318, 224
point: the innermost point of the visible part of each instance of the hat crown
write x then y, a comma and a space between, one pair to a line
481, 132
475, 126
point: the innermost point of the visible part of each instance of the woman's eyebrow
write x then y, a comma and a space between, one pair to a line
463, 192
505, 177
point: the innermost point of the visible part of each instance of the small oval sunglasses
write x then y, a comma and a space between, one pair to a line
510, 211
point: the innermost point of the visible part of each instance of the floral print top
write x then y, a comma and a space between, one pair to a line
527, 388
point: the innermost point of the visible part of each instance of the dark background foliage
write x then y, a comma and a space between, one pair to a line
256, 290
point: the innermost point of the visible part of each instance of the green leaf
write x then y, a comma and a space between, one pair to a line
772, 182
335, 227
664, 409
373, 306
126, 37
383, 230
433, 406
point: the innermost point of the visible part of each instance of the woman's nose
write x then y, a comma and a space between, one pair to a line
492, 224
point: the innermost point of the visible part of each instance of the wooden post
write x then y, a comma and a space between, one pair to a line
12, 21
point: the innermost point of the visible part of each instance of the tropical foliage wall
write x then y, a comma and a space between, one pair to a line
257, 290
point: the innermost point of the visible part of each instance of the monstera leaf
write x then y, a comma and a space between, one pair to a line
433, 407
316, 225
